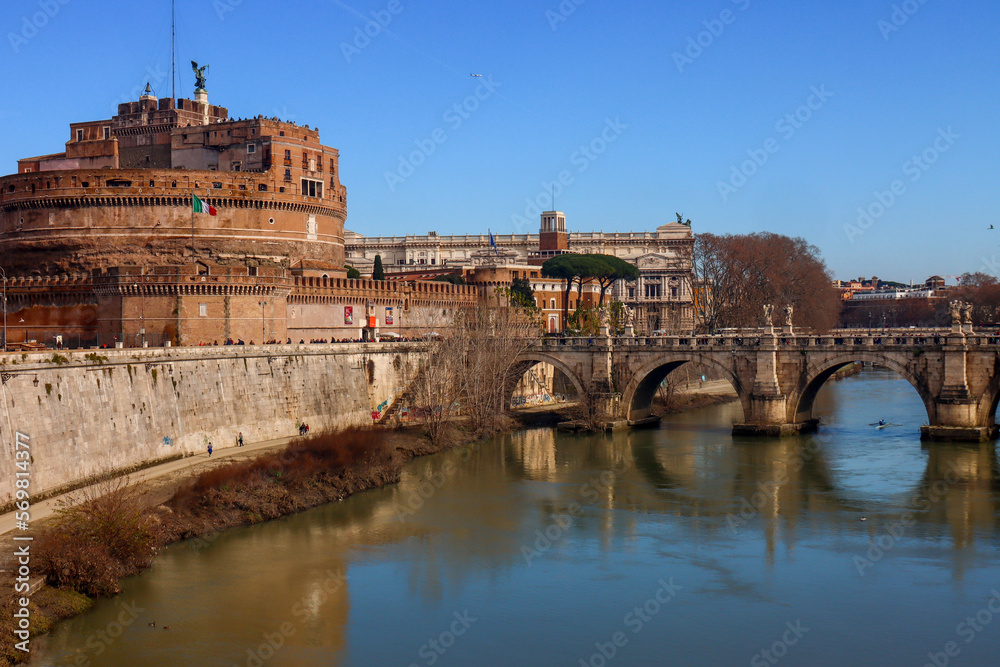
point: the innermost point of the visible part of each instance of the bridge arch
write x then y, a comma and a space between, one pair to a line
801, 400
637, 398
527, 361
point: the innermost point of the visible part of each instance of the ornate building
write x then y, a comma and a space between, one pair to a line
662, 297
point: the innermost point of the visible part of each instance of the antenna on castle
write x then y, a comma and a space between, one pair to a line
173, 55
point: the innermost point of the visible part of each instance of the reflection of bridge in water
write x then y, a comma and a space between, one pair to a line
778, 375
771, 485
782, 489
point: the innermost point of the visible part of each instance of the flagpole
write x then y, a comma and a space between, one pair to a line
193, 263
173, 56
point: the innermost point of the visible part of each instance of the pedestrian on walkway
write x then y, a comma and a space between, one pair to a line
239, 439
210, 450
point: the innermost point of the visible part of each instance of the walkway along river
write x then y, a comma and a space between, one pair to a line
678, 545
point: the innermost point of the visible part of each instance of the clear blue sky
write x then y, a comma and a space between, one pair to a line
673, 129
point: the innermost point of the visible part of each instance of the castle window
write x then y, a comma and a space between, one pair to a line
107, 132
251, 149
202, 310
151, 184
173, 184
673, 292
262, 187
288, 176
251, 270
79, 135
281, 134
311, 188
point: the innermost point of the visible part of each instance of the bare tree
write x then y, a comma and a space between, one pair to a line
475, 365
436, 389
741, 273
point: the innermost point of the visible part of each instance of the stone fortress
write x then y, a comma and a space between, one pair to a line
101, 244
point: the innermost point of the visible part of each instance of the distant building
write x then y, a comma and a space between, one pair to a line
662, 297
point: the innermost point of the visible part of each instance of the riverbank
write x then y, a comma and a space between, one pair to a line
203, 498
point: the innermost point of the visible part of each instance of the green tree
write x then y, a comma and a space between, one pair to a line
378, 273
566, 267
452, 278
607, 269
521, 292
352, 273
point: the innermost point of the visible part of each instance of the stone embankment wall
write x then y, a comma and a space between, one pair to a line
87, 413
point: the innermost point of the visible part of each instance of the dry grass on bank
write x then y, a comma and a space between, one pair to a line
90, 546
307, 472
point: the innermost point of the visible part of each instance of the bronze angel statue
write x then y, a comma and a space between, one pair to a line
199, 75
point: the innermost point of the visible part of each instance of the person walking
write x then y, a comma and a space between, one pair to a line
239, 439
209, 450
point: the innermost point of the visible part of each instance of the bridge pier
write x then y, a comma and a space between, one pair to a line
955, 407
768, 406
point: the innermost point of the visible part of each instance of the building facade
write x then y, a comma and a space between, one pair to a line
662, 297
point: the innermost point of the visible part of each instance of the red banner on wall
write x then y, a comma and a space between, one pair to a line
348, 315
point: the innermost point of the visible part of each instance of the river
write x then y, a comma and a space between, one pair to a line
671, 546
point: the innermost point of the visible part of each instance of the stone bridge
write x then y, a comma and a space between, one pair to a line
777, 375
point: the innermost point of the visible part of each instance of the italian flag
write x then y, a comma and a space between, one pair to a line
200, 206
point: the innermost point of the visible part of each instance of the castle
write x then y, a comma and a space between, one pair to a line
102, 244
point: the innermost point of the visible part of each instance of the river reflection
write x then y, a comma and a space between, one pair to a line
851, 546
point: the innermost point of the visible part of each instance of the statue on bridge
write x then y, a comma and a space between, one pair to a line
768, 313
966, 313
789, 309
603, 320
955, 310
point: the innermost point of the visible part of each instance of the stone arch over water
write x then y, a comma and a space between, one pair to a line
801, 400
637, 398
527, 361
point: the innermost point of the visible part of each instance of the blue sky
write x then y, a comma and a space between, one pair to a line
744, 115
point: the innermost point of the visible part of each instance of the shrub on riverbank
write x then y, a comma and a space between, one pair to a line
308, 472
90, 546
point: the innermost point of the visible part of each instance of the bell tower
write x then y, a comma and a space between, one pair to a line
552, 233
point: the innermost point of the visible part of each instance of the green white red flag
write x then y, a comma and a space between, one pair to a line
201, 207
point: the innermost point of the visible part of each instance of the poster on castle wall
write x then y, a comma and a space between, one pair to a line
348, 315
388, 315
